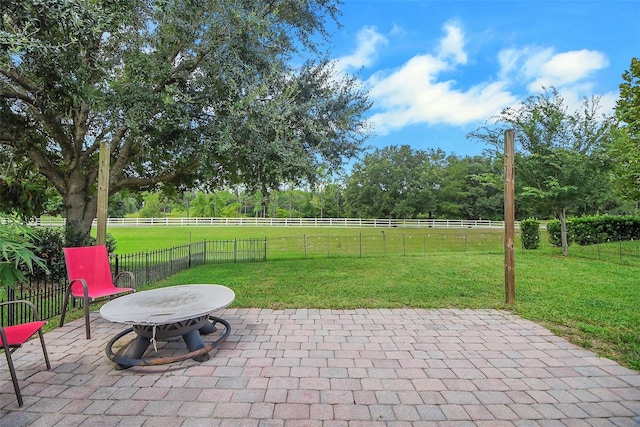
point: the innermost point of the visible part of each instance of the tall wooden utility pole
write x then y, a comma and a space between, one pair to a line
509, 218
103, 193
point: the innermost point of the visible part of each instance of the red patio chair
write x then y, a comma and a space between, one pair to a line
90, 278
12, 337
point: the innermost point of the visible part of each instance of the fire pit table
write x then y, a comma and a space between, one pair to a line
166, 314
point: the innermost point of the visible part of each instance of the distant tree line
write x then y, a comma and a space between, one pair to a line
392, 182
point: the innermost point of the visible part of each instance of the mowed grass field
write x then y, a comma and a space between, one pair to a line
423, 240
594, 304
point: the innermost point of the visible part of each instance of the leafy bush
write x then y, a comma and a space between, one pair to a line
22, 197
48, 244
589, 230
605, 228
17, 257
554, 233
530, 233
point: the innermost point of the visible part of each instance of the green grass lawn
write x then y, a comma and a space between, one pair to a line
138, 239
592, 302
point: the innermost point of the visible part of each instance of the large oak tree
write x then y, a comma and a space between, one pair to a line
184, 92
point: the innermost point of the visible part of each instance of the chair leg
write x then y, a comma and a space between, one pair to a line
44, 349
14, 377
64, 306
86, 317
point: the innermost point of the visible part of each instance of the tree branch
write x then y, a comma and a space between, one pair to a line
17, 95
52, 172
117, 167
185, 66
19, 80
135, 183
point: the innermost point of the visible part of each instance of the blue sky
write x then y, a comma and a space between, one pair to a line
439, 69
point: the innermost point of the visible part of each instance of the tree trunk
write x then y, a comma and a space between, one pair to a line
563, 232
81, 210
77, 184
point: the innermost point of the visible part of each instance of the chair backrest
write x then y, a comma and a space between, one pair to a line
90, 263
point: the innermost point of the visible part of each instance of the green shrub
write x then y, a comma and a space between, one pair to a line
17, 256
589, 230
554, 232
48, 244
530, 233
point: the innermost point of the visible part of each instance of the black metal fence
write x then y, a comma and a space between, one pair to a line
152, 266
148, 267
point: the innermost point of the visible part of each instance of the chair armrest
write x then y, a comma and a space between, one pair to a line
23, 301
85, 287
132, 278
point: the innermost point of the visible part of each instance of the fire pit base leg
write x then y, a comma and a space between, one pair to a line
198, 350
137, 347
194, 342
207, 329
136, 350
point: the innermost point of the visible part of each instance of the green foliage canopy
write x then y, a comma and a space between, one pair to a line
184, 93
625, 148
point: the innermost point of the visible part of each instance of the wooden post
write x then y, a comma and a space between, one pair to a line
509, 218
103, 193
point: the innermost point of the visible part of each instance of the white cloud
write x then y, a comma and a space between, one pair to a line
574, 96
567, 68
608, 102
538, 68
413, 94
416, 91
542, 67
522, 64
368, 41
396, 30
452, 45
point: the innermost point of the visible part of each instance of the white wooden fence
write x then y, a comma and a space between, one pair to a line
288, 222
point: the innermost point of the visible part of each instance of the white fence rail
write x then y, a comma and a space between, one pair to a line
288, 222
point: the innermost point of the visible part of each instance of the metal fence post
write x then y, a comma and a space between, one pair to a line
11, 296
384, 243
404, 245
146, 267
204, 251
620, 245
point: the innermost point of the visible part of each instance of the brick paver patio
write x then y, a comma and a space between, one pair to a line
331, 368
